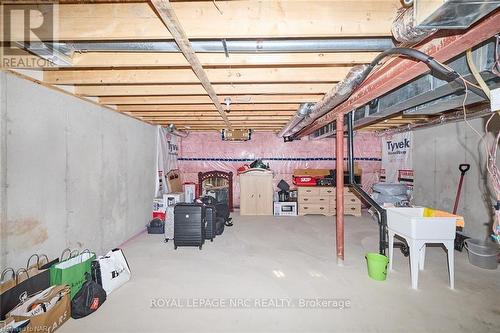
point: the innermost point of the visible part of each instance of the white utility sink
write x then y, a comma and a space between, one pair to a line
417, 224
420, 226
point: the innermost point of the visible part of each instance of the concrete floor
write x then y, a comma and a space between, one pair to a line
268, 259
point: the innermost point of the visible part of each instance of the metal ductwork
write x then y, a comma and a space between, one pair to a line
418, 19
451, 14
234, 45
174, 131
302, 112
334, 97
61, 52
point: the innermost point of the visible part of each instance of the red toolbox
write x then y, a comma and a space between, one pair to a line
304, 180
308, 177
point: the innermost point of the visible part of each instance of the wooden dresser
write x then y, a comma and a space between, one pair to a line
321, 200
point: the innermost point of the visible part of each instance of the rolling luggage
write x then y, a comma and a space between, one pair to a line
221, 208
189, 225
219, 226
169, 224
211, 218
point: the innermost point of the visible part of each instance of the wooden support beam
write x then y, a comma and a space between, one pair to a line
167, 15
197, 89
208, 107
238, 99
215, 75
237, 19
148, 59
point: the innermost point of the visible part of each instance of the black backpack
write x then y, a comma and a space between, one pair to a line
88, 299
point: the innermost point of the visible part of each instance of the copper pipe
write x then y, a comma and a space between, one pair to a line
339, 161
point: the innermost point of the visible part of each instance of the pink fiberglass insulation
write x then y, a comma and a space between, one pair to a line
205, 151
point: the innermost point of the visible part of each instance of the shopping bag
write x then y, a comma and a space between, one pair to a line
9, 325
111, 271
25, 284
7, 284
88, 299
72, 271
48, 262
47, 310
42, 263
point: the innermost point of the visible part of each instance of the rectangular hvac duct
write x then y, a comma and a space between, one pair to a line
451, 14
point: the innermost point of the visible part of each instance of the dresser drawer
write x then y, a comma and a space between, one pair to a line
351, 199
314, 200
327, 191
352, 209
314, 209
348, 200
347, 190
308, 191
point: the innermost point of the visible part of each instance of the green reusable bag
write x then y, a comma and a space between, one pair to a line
72, 271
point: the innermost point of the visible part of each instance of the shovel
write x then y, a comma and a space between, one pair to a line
460, 238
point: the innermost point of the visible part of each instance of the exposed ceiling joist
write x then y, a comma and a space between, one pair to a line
208, 107
209, 113
190, 120
140, 59
237, 19
238, 99
218, 75
197, 89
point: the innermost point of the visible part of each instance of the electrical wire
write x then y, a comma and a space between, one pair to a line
495, 68
475, 73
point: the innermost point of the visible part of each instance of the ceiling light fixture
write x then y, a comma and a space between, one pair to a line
227, 101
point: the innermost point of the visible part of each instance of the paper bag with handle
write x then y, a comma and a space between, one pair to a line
46, 310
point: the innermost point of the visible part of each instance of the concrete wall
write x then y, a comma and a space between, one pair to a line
73, 173
437, 153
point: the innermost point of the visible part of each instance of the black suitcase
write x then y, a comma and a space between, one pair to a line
189, 225
219, 226
222, 208
211, 218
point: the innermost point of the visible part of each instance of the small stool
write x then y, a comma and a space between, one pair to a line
417, 255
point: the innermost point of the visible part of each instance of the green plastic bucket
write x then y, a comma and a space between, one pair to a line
377, 266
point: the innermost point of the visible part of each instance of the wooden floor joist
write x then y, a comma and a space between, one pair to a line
268, 114
143, 59
197, 89
215, 75
84, 20
208, 107
235, 99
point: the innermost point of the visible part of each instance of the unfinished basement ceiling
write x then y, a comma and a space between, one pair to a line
278, 54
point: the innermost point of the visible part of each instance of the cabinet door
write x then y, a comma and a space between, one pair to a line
265, 195
247, 195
